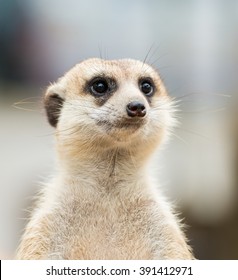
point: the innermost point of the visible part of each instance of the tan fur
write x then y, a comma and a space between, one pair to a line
102, 203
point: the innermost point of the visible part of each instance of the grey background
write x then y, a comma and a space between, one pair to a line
193, 44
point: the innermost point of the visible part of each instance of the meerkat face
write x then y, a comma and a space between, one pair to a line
109, 103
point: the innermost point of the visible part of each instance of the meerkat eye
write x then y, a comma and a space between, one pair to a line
147, 87
99, 87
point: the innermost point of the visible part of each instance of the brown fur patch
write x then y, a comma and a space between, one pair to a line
53, 105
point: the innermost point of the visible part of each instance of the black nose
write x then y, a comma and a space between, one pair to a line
136, 109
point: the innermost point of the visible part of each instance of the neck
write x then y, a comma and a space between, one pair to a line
102, 168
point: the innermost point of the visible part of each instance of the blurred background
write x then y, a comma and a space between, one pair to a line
194, 46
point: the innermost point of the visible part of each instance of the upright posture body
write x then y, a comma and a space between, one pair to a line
109, 116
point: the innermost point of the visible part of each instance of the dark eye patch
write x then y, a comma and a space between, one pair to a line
101, 87
53, 104
147, 86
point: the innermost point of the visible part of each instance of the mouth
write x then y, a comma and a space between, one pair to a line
121, 130
125, 124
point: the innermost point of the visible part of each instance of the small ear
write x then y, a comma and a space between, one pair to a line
53, 101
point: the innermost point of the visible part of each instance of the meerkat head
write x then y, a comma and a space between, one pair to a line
109, 104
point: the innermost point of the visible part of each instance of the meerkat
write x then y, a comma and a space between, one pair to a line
109, 118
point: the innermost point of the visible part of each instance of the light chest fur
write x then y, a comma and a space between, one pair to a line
108, 224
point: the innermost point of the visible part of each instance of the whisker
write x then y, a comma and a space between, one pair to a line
29, 98
201, 93
144, 60
25, 109
180, 138
25, 102
100, 51
156, 49
158, 59
194, 133
106, 53
17, 105
204, 110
